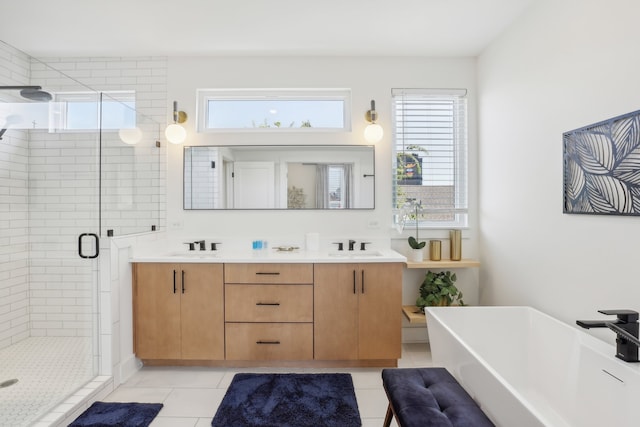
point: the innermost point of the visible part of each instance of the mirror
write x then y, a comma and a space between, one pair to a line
279, 177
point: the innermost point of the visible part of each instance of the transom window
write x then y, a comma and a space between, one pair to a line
430, 157
274, 109
78, 112
82, 111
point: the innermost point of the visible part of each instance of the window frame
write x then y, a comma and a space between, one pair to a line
403, 216
203, 97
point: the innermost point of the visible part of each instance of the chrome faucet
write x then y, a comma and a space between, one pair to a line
626, 328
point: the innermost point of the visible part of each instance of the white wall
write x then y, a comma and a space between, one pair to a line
563, 65
369, 78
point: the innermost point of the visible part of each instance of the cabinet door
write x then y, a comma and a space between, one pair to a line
335, 312
202, 311
157, 311
380, 315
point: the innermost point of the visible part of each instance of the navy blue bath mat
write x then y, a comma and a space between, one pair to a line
289, 400
114, 414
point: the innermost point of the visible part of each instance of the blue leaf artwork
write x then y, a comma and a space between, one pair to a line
602, 167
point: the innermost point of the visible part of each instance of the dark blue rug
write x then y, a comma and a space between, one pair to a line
114, 414
289, 400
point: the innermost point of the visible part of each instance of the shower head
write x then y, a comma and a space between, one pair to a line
33, 93
36, 94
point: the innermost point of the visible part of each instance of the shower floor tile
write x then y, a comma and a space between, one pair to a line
48, 369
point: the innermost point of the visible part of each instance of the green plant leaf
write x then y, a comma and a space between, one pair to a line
415, 244
438, 288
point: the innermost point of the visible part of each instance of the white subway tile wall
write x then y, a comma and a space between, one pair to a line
133, 176
14, 214
50, 182
205, 179
132, 187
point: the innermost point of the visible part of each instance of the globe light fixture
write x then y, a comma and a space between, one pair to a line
175, 133
373, 132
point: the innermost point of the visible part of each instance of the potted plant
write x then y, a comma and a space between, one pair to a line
417, 247
438, 289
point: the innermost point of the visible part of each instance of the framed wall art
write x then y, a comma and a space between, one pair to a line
602, 167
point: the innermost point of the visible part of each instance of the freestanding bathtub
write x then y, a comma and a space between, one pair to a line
525, 368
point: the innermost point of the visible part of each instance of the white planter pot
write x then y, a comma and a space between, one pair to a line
416, 255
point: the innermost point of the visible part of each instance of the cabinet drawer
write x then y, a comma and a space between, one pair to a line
269, 303
268, 273
269, 341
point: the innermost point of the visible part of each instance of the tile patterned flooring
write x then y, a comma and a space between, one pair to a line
47, 369
191, 395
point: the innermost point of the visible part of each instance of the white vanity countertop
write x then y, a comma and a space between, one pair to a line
271, 256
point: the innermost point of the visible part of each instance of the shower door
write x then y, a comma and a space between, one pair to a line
50, 164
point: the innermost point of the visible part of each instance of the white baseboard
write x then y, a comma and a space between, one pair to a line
127, 368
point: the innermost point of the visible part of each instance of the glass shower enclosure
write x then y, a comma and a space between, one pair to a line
77, 165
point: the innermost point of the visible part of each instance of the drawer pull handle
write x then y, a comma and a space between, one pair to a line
267, 303
269, 273
174, 281
267, 342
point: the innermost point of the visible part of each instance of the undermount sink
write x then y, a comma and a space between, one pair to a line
194, 254
355, 254
366, 254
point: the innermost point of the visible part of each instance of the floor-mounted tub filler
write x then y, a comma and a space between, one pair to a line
527, 369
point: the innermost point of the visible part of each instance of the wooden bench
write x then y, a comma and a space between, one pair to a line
429, 397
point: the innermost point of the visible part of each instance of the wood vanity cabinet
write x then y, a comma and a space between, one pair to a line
240, 314
356, 311
178, 311
269, 311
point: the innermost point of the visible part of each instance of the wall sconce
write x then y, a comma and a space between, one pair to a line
373, 132
175, 133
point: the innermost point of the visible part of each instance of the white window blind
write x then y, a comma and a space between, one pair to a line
430, 161
335, 186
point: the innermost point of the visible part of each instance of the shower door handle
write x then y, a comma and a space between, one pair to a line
97, 242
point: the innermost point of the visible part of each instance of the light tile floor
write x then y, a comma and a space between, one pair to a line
48, 369
191, 395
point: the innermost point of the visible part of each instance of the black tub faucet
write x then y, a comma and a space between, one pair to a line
626, 328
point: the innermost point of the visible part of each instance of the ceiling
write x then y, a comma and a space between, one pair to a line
255, 27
